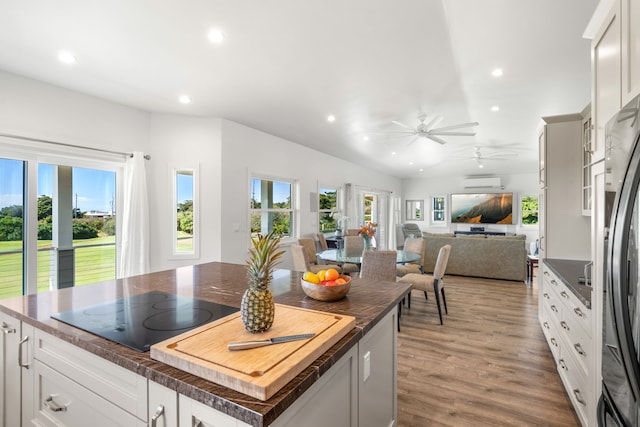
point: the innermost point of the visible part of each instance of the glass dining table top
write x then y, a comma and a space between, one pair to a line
338, 255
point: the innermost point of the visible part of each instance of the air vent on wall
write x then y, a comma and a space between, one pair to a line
481, 182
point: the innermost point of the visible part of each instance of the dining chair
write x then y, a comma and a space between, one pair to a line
347, 268
353, 245
416, 246
352, 232
436, 280
301, 260
380, 265
309, 246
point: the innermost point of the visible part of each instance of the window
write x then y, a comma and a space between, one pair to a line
185, 213
414, 210
57, 225
271, 207
328, 209
529, 209
438, 210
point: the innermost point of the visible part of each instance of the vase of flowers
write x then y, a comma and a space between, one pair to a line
367, 232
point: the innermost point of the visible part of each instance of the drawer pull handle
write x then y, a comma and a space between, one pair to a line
576, 393
578, 312
546, 325
554, 309
564, 294
579, 349
196, 422
159, 412
563, 365
6, 329
546, 273
554, 342
53, 406
546, 295
564, 325
22, 342
554, 283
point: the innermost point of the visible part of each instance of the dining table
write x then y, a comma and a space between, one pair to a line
339, 256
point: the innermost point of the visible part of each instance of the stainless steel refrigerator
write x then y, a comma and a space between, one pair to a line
619, 404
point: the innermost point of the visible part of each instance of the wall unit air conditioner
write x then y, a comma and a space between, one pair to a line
482, 182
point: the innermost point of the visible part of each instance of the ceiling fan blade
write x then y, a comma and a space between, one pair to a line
452, 127
436, 139
452, 133
497, 155
414, 139
434, 122
402, 125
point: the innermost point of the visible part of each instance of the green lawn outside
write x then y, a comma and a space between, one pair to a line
93, 264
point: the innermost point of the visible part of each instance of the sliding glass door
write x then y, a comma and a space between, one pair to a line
57, 226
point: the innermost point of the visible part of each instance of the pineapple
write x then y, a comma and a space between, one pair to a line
258, 307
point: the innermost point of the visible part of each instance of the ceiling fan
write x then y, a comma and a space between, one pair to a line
481, 158
429, 130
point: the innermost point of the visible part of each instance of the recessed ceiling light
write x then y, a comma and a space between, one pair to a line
67, 57
216, 36
480, 165
497, 72
184, 99
421, 170
365, 138
331, 118
495, 108
410, 163
393, 153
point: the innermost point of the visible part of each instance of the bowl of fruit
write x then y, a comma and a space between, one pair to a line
325, 285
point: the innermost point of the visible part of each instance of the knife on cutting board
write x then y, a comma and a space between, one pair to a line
244, 345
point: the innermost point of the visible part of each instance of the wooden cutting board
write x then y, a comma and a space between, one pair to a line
258, 372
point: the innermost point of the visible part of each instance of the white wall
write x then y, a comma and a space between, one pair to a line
184, 142
246, 151
424, 189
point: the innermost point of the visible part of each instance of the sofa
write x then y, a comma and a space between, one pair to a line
477, 255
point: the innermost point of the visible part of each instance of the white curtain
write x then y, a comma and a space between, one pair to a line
134, 252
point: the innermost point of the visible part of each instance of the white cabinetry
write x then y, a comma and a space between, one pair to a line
567, 325
630, 49
564, 231
163, 406
16, 370
606, 77
72, 386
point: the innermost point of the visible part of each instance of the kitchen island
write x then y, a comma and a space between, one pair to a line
366, 353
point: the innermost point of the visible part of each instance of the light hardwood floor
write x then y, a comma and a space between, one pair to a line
488, 365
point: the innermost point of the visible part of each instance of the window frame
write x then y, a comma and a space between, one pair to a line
433, 210
195, 252
335, 210
522, 211
293, 205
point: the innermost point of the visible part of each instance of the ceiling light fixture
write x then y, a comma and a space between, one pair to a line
393, 153
67, 57
331, 118
184, 99
497, 72
495, 108
421, 170
216, 36
365, 138
410, 163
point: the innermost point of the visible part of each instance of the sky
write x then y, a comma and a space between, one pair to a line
93, 189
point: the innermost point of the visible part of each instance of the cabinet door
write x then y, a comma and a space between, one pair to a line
163, 406
194, 413
9, 371
606, 78
542, 151
630, 43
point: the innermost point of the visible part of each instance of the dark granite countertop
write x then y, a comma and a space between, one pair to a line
569, 271
368, 301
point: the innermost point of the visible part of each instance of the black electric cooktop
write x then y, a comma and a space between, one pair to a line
139, 321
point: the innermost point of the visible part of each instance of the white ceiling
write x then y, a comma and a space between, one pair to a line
285, 65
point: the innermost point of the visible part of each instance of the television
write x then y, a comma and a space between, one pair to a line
486, 208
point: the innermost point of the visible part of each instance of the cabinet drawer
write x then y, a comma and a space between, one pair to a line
550, 333
120, 386
61, 401
577, 341
576, 385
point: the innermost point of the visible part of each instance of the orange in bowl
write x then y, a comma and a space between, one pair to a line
328, 290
